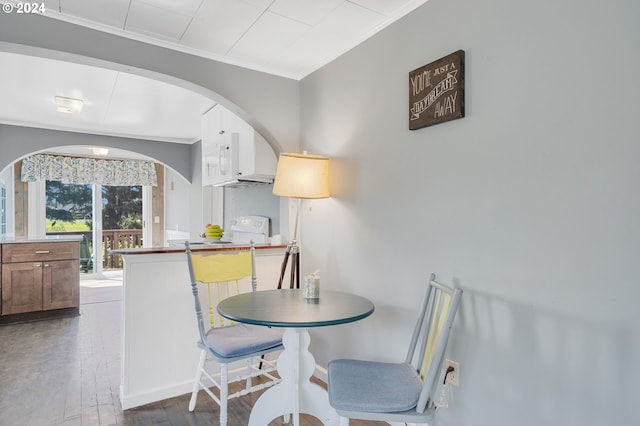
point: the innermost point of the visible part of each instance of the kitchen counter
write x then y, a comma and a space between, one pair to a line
196, 246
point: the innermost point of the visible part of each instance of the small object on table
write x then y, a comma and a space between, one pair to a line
312, 287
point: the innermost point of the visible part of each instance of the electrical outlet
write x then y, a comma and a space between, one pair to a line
452, 377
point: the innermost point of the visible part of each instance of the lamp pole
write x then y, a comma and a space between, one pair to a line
293, 250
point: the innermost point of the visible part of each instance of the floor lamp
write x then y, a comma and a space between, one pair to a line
299, 176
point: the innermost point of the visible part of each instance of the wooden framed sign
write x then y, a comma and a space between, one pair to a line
436, 91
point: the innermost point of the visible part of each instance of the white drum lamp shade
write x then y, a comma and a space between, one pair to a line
302, 176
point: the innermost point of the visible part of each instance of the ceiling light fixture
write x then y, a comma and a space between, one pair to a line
68, 105
100, 151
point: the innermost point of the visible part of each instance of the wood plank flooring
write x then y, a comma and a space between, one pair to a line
67, 372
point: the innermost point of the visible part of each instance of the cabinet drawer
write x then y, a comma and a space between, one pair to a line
35, 252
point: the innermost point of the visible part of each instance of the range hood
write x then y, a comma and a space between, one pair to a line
242, 183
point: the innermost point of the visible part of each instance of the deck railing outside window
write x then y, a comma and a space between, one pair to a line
112, 239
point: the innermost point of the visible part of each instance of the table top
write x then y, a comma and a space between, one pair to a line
288, 308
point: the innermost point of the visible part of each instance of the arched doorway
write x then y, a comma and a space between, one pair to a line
110, 216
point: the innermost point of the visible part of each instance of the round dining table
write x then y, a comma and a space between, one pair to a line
288, 309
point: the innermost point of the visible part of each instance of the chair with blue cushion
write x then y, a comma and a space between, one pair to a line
225, 274
405, 391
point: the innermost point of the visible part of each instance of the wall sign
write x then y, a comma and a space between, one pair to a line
436, 91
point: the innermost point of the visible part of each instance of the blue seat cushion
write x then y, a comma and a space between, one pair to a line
373, 387
242, 339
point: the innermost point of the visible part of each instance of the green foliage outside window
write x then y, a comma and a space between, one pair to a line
69, 207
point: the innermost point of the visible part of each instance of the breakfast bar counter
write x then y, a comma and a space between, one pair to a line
199, 246
159, 331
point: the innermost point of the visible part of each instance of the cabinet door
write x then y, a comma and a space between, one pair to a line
60, 284
220, 159
214, 153
220, 140
21, 287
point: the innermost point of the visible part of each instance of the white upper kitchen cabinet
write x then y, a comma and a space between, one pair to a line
233, 152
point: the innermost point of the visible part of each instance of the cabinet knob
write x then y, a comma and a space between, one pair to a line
221, 132
37, 265
43, 251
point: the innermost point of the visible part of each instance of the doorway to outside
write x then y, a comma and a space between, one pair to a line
108, 217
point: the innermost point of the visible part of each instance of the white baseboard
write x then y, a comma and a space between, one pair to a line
153, 395
321, 373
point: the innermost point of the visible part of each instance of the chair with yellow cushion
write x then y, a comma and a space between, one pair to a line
401, 392
225, 274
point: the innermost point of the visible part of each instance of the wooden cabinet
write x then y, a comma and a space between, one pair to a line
39, 277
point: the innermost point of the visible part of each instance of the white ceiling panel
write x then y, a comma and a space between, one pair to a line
325, 41
182, 7
309, 12
386, 7
151, 20
268, 37
313, 49
262, 4
348, 22
219, 24
107, 12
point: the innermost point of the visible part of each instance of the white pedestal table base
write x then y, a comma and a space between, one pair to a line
295, 394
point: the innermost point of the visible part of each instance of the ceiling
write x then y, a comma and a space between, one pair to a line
115, 103
290, 38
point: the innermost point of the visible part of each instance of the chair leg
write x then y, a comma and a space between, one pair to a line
249, 362
344, 421
196, 383
224, 393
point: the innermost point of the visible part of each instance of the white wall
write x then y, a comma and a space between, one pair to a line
17, 142
252, 200
530, 203
176, 206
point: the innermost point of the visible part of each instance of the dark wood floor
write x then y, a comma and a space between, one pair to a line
67, 372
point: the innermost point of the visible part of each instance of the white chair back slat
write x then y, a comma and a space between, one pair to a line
446, 302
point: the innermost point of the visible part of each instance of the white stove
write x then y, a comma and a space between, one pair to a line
245, 229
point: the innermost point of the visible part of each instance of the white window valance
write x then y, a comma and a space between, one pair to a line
81, 171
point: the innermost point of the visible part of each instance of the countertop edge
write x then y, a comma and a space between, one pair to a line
52, 239
199, 247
